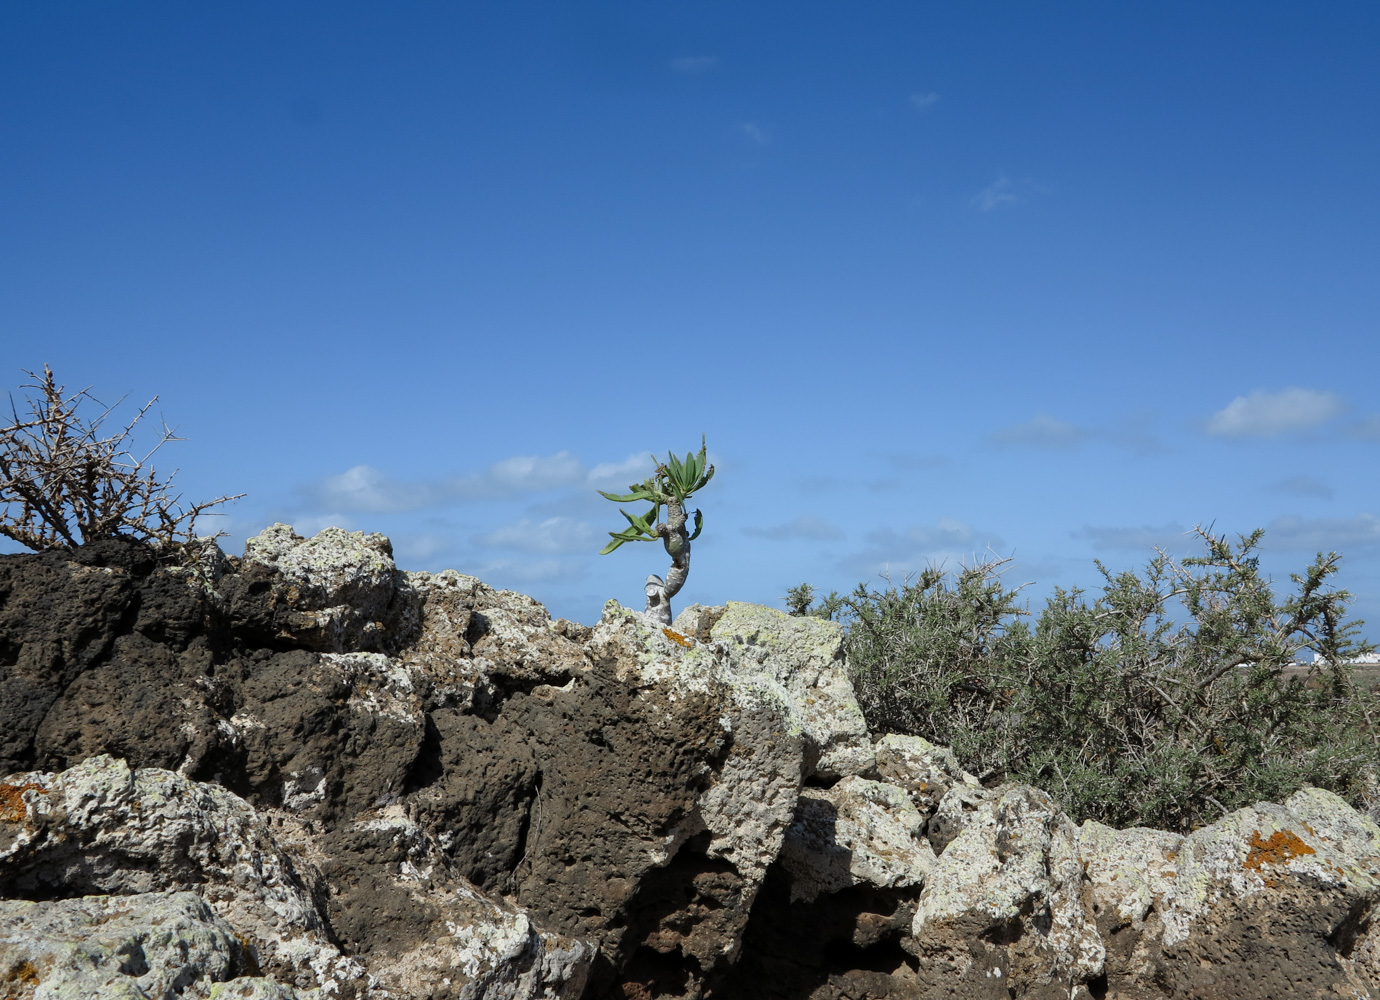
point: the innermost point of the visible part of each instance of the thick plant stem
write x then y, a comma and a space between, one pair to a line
677, 541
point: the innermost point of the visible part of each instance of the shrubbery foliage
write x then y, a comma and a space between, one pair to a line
1169, 698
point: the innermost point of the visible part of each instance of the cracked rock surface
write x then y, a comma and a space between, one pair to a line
304, 773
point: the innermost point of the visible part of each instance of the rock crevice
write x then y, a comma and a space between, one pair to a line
306, 773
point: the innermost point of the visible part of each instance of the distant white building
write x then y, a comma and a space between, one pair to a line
1364, 660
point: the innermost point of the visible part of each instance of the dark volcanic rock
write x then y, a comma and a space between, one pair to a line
311, 770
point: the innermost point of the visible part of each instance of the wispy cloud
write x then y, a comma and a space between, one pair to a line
1041, 431
1269, 414
1302, 486
366, 490
553, 535
803, 527
916, 463
1368, 429
1173, 538
693, 65
1323, 534
526, 572
1133, 435
923, 102
409, 549
1001, 192
754, 132
948, 541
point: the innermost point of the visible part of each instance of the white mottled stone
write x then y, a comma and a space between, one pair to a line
858, 832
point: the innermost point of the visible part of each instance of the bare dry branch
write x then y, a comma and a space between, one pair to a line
63, 484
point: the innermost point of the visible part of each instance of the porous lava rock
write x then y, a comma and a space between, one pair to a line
304, 773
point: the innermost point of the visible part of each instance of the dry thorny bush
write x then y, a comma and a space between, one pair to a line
65, 482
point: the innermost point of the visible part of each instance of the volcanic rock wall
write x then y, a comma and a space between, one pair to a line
304, 773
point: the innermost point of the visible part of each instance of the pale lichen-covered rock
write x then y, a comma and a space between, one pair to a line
259, 988
473, 945
483, 948
102, 828
1005, 903
1262, 901
1131, 871
953, 812
801, 658
858, 832
924, 770
749, 804
1270, 900
744, 791
476, 644
150, 945
338, 584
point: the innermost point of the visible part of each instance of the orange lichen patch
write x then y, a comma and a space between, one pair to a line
22, 975
1277, 849
12, 800
677, 637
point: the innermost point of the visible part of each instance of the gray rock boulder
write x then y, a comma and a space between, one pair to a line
858, 832
160, 945
800, 660
1006, 906
1271, 900
333, 590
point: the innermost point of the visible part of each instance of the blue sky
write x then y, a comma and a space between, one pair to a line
1058, 280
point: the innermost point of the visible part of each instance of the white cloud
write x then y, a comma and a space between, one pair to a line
1269, 414
1041, 431
693, 65
553, 535
632, 469
524, 474
804, 527
923, 102
1000, 192
754, 132
364, 489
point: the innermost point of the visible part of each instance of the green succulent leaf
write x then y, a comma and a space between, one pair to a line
637, 494
699, 525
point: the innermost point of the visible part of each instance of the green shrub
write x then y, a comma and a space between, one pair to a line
1170, 698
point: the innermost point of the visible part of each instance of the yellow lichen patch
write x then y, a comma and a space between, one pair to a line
1277, 849
12, 800
677, 637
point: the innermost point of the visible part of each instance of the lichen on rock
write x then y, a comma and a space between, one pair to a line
306, 774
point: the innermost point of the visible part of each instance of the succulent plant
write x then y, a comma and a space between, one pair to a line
670, 485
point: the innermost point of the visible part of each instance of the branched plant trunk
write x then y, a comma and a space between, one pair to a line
670, 486
677, 541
